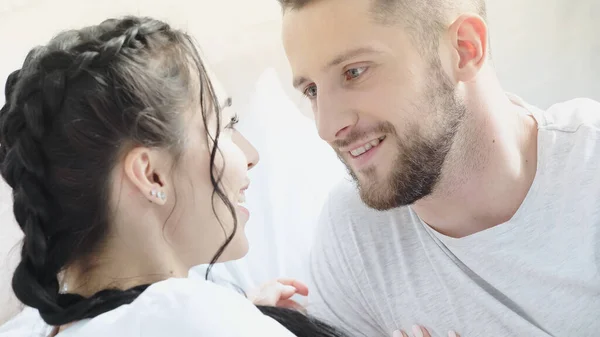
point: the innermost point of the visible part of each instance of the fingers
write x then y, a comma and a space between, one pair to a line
301, 288
417, 331
273, 293
279, 291
285, 291
420, 331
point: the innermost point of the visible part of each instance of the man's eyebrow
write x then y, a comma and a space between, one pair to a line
347, 55
298, 81
341, 58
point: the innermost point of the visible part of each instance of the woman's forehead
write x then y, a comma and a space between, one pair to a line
219, 88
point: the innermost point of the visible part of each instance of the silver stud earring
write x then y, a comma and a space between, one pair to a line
161, 195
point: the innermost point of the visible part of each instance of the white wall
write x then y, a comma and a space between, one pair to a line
547, 50
544, 50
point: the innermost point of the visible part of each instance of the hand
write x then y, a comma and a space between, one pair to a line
277, 293
420, 332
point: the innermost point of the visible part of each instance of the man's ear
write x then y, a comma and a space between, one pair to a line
469, 36
141, 168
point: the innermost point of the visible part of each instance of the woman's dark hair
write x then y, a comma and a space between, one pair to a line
76, 106
300, 324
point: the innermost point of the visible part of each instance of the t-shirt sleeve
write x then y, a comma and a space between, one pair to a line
336, 296
187, 308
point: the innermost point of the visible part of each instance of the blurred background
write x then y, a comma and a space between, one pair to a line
545, 51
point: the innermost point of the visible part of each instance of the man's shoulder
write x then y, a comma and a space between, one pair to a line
569, 133
576, 115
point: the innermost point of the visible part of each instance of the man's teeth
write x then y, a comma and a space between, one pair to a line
366, 147
242, 199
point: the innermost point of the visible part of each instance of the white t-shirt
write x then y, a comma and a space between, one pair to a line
190, 307
537, 275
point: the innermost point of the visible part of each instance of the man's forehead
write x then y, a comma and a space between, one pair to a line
309, 39
316, 48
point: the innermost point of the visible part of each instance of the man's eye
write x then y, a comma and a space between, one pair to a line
310, 91
354, 73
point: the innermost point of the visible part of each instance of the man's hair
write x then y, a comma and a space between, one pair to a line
424, 19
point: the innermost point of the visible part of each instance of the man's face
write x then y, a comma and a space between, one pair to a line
390, 113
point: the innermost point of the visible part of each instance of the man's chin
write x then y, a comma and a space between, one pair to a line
382, 196
375, 194
377, 201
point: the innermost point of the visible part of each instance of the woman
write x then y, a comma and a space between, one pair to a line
126, 171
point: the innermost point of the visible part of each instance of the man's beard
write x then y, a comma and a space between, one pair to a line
417, 168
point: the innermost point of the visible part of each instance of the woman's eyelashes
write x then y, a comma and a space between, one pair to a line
233, 122
349, 75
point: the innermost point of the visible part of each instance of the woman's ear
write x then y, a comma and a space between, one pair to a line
146, 171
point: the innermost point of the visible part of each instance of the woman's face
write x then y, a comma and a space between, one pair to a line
196, 229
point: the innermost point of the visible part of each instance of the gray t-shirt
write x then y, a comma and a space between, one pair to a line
535, 275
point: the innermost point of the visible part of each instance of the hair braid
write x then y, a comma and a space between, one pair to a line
34, 98
22, 125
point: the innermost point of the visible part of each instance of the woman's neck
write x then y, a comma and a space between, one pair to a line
121, 268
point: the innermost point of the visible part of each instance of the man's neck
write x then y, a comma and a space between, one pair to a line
487, 173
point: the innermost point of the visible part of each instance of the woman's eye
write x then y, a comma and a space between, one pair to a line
233, 122
311, 91
354, 73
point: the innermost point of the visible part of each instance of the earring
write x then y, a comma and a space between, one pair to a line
161, 195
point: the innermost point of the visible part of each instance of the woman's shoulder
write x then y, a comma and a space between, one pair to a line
176, 293
182, 307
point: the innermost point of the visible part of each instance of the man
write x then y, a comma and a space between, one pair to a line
483, 212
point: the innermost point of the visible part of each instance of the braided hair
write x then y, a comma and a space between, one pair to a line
69, 113
73, 108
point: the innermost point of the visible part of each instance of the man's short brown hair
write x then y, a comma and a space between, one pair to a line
424, 19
